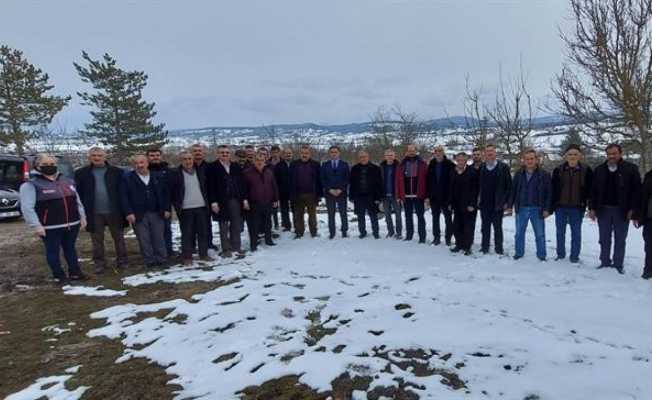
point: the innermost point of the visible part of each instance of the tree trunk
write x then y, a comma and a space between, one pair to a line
18, 138
645, 163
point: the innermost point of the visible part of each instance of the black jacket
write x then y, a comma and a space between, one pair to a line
586, 185
162, 170
437, 190
282, 175
503, 185
223, 186
133, 197
544, 191
375, 182
317, 181
628, 187
85, 185
178, 187
464, 189
646, 194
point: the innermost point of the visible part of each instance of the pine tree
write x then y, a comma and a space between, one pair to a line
122, 120
25, 105
572, 137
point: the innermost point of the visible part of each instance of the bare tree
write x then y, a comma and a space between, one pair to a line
606, 82
512, 113
476, 118
410, 127
382, 128
271, 133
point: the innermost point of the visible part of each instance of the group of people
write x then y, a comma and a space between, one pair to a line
254, 187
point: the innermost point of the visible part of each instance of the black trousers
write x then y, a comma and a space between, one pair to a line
231, 226
259, 221
275, 217
463, 227
492, 218
366, 205
647, 236
209, 229
193, 223
286, 209
338, 204
437, 209
414, 205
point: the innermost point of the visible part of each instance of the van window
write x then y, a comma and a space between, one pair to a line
11, 173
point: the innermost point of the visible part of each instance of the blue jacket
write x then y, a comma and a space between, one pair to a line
134, 194
335, 178
543, 192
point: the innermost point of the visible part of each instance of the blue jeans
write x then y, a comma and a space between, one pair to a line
532, 215
59, 239
569, 216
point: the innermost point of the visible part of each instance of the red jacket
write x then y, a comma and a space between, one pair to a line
422, 170
260, 185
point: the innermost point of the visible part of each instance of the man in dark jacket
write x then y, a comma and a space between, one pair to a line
532, 202
463, 202
199, 156
273, 161
190, 200
282, 174
571, 188
261, 198
145, 200
98, 187
305, 191
437, 187
495, 189
162, 169
334, 175
477, 158
391, 205
366, 192
411, 191
645, 220
615, 198
226, 196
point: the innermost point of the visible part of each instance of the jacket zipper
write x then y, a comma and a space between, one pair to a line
65, 203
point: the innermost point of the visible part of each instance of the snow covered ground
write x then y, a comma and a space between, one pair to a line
98, 291
51, 387
402, 315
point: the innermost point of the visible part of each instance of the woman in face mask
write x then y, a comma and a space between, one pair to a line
51, 206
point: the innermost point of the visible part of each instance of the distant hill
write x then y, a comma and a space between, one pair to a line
354, 127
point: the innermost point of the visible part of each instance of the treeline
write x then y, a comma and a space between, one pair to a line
604, 89
120, 118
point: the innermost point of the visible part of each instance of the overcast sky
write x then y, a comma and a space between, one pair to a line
277, 61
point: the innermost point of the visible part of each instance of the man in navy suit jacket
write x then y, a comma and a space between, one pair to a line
335, 181
145, 200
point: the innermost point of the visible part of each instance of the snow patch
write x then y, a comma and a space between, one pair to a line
52, 388
98, 291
